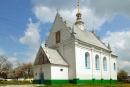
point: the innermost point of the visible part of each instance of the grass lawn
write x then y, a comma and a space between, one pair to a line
99, 85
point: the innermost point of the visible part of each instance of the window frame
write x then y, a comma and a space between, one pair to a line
87, 60
57, 37
97, 62
105, 67
114, 66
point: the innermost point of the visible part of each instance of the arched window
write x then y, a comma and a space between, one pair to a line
87, 60
97, 62
105, 64
114, 66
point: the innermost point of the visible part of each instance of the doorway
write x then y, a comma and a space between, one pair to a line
41, 78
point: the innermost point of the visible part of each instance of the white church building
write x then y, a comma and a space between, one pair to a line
72, 54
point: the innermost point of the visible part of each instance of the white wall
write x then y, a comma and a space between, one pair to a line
97, 73
106, 74
57, 74
113, 72
83, 73
69, 55
35, 72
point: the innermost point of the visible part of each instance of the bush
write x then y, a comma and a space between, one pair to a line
122, 76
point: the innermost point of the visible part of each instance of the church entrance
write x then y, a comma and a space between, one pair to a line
41, 78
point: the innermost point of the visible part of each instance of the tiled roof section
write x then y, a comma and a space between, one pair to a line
54, 57
89, 38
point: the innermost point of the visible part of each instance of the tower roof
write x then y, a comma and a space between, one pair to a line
78, 15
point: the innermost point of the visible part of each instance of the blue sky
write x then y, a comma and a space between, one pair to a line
24, 24
14, 16
13, 19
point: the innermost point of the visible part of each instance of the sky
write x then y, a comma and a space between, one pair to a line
25, 24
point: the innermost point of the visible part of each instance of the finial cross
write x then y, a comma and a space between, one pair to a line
78, 6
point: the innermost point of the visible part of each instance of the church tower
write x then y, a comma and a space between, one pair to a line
79, 23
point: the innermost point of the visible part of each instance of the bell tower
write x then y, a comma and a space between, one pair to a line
79, 23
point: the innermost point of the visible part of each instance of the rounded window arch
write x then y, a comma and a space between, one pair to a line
105, 64
97, 63
114, 66
87, 60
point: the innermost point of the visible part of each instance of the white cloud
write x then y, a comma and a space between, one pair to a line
110, 7
32, 35
95, 12
46, 14
120, 42
101, 7
13, 60
2, 52
32, 39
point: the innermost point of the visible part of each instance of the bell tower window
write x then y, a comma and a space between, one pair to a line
57, 37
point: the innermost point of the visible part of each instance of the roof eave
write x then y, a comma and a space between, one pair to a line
92, 45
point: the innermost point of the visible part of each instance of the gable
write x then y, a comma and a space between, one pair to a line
41, 58
47, 55
59, 25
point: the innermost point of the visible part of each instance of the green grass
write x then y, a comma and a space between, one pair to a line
94, 85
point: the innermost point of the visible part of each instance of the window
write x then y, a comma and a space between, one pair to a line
97, 62
105, 64
87, 60
61, 69
36, 74
57, 37
114, 66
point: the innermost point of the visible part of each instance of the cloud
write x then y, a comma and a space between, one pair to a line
120, 42
101, 7
11, 59
47, 14
31, 37
2, 52
110, 7
95, 12
44, 14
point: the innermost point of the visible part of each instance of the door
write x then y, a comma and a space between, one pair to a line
41, 78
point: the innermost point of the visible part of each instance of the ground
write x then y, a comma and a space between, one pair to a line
72, 85
18, 86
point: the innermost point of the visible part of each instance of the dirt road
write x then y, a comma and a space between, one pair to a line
19, 86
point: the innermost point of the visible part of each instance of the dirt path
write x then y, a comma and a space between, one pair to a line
18, 86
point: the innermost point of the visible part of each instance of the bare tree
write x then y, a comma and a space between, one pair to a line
5, 66
24, 71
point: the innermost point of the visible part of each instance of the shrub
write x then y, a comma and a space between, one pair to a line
122, 76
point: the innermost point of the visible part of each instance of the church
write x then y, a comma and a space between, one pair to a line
72, 54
